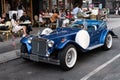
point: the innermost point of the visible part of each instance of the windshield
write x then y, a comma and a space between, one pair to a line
76, 26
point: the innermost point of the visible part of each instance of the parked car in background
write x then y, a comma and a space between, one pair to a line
62, 45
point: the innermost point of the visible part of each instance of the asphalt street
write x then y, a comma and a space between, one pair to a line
94, 65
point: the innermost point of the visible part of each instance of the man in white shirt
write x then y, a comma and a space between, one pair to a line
76, 10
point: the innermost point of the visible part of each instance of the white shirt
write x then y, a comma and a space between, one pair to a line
75, 11
40, 18
14, 23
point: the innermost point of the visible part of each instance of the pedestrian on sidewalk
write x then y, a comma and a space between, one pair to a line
116, 10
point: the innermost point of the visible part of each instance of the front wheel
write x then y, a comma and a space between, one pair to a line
23, 48
67, 57
24, 52
108, 42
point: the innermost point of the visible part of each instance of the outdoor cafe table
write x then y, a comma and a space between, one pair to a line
2, 24
26, 23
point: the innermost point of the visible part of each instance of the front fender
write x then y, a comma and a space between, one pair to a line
25, 41
63, 44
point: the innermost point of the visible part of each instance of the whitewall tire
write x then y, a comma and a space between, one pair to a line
108, 42
68, 57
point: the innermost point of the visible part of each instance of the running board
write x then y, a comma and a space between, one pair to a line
95, 46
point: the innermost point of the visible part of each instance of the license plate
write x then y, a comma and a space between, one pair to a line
34, 57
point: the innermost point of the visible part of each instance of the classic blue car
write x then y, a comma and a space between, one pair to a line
61, 46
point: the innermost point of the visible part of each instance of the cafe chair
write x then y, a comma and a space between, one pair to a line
53, 25
7, 32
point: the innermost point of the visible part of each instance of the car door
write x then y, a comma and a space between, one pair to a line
94, 33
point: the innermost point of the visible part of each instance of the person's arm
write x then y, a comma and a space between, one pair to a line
80, 10
58, 16
2, 20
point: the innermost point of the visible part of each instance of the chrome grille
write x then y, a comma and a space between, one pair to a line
39, 46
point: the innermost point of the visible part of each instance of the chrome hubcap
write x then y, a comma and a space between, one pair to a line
71, 57
109, 41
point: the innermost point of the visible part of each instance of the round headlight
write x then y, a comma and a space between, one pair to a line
50, 43
29, 40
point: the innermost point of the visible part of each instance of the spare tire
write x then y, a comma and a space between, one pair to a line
46, 31
83, 39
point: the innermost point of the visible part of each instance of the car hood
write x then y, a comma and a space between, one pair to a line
61, 32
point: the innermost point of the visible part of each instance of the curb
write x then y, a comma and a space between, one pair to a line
5, 57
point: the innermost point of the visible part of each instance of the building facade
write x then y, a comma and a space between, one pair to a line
34, 6
111, 4
14, 4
